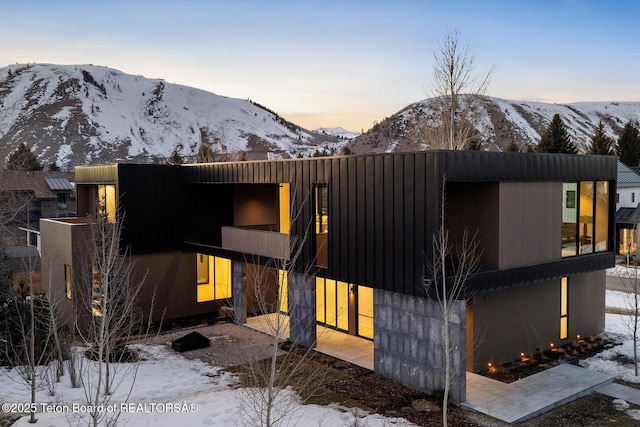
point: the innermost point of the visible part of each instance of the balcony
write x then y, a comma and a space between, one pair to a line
270, 244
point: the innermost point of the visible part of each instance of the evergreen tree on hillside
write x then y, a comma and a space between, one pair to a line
556, 139
175, 158
601, 144
629, 145
205, 154
513, 147
22, 158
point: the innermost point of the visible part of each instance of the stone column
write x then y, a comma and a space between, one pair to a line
302, 309
239, 289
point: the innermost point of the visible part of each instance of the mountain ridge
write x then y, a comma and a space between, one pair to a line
502, 122
85, 114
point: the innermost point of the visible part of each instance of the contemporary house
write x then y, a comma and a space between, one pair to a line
365, 223
30, 195
25, 197
627, 211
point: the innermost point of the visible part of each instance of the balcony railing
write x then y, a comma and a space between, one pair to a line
251, 241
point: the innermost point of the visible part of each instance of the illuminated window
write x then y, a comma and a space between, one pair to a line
284, 197
283, 285
585, 217
602, 216
365, 312
321, 214
569, 219
67, 280
332, 303
213, 278
107, 201
564, 308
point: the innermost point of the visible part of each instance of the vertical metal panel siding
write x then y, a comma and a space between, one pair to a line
419, 212
370, 214
409, 225
352, 248
399, 207
378, 232
388, 224
359, 238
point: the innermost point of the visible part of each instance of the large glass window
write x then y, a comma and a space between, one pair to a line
321, 213
213, 278
107, 201
365, 312
602, 216
585, 217
569, 213
284, 196
585, 242
332, 303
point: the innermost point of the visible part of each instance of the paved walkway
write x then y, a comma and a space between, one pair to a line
536, 394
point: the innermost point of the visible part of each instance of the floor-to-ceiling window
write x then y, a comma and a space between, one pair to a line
365, 312
341, 304
332, 303
585, 217
213, 278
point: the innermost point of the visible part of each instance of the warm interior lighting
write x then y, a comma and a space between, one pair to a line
522, 354
489, 364
551, 345
578, 336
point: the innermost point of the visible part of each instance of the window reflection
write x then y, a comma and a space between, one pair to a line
585, 217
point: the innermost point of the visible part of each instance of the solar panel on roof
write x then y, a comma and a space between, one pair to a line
56, 184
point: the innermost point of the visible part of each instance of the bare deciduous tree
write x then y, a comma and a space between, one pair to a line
28, 336
631, 284
457, 93
451, 266
269, 401
107, 317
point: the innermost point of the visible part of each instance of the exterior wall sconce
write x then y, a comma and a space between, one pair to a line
352, 288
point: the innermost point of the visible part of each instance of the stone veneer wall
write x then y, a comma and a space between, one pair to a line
408, 344
302, 309
239, 292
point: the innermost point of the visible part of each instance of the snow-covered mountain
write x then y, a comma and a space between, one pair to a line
85, 114
501, 122
337, 132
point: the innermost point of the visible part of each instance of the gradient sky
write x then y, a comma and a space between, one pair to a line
338, 63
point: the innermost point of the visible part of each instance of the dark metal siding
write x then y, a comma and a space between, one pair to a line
149, 197
383, 209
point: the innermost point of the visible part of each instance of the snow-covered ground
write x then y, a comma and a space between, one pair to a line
169, 390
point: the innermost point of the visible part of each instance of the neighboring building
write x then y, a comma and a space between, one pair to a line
27, 196
627, 211
199, 232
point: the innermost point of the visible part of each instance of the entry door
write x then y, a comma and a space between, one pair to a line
332, 303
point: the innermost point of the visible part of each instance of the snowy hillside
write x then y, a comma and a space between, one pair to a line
84, 114
337, 132
502, 122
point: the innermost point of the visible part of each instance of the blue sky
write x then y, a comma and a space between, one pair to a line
338, 63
